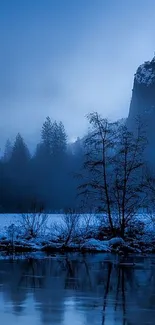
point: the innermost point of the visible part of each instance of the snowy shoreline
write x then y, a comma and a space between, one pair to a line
70, 233
115, 245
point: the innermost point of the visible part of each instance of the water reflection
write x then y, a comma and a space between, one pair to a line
77, 289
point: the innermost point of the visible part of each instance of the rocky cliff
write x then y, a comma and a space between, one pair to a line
143, 101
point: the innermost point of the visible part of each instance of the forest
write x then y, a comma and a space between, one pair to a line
44, 180
106, 171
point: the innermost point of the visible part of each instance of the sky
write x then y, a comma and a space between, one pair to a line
66, 58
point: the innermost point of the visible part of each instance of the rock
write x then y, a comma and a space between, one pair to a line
143, 103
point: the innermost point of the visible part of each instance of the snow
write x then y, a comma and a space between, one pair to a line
85, 237
7, 220
116, 241
102, 245
95, 245
145, 74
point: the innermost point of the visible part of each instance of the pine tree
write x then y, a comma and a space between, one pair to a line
50, 163
7, 151
46, 135
62, 138
54, 138
20, 153
59, 139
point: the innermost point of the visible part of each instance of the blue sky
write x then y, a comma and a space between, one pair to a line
65, 58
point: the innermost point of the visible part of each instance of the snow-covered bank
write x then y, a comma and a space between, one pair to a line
82, 233
35, 245
115, 245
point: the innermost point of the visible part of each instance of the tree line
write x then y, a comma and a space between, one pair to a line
107, 171
43, 180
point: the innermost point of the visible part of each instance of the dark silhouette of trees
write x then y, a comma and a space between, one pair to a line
113, 171
43, 180
129, 183
50, 162
14, 176
111, 181
20, 153
7, 151
46, 136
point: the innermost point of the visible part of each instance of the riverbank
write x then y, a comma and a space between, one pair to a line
73, 233
115, 245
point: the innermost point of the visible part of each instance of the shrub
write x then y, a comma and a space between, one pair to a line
67, 229
33, 224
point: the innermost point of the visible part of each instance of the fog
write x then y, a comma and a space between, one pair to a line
64, 59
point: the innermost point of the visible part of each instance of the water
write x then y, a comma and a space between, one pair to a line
76, 289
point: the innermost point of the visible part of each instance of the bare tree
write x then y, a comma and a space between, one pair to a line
67, 228
113, 176
33, 224
99, 146
128, 181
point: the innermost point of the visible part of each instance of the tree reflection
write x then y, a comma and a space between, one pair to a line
94, 287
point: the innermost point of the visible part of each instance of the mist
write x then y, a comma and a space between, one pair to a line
65, 59
77, 157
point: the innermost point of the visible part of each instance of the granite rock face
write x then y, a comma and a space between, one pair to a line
142, 104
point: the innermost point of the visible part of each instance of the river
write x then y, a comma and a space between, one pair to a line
93, 289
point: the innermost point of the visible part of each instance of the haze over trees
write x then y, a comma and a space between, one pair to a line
103, 172
45, 179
